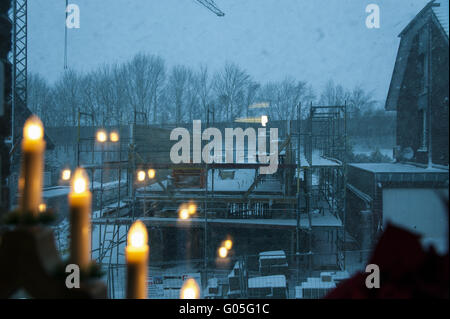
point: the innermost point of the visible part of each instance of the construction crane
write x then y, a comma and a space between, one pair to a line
211, 6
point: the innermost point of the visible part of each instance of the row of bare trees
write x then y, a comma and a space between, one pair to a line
146, 91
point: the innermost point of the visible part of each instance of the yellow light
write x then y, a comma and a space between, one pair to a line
151, 173
101, 136
184, 213
137, 235
114, 137
42, 207
65, 175
80, 181
33, 129
223, 252
141, 176
192, 208
190, 290
228, 244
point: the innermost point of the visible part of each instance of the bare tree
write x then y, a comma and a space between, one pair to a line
144, 74
66, 94
177, 89
333, 94
40, 99
204, 88
284, 97
229, 84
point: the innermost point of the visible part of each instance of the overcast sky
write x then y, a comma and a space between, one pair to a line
310, 40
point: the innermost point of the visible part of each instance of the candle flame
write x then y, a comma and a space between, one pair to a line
228, 244
184, 213
141, 176
223, 252
192, 208
80, 181
33, 129
151, 173
66, 174
42, 207
114, 137
137, 235
101, 136
190, 290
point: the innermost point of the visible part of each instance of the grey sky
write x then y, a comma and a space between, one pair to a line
309, 40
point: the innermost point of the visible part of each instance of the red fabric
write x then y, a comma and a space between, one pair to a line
406, 270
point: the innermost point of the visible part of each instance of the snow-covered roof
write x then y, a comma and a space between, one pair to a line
396, 168
276, 281
317, 283
272, 254
441, 13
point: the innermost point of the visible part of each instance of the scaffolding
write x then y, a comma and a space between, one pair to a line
305, 195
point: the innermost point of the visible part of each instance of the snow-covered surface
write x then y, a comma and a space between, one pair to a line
396, 168
274, 254
326, 220
55, 191
243, 179
367, 151
276, 281
108, 208
441, 13
317, 160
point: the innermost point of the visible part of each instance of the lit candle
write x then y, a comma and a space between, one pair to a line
223, 252
190, 290
136, 254
80, 199
228, 244
33, 147
151, 173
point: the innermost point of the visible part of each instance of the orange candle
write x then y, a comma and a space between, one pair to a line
80, 199
33, 147
136, 254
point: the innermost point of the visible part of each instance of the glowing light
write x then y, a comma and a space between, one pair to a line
42, 207
33, 129
101, 136
151, 173
228, 244
190, 290
80, 181
141, 176
65, 175
192, 208
137, 235
223, 252
184, 213
264, 120
114, 137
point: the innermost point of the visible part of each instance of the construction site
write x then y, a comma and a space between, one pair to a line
240, 233
284, 227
